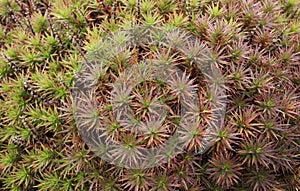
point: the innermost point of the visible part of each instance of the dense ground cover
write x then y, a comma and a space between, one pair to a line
255, 44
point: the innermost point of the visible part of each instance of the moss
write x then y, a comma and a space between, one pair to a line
44, 46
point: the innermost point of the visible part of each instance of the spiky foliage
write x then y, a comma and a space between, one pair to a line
255, 44
224, 170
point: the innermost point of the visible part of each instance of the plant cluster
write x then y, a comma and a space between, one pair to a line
45, 44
